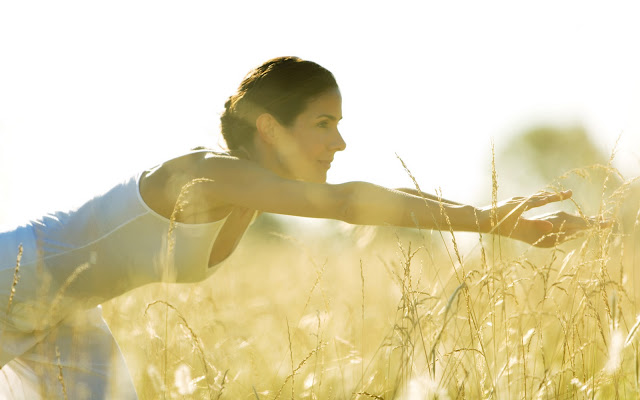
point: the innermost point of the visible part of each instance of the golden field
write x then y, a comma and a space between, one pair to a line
332, 311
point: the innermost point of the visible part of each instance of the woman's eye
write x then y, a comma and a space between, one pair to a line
323, 124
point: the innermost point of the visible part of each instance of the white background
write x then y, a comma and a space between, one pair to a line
92, 92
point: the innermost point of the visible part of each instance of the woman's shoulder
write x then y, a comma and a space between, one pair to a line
201, 153
189, 161
199, 162
162, 186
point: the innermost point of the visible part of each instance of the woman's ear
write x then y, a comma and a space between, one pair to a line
266, 125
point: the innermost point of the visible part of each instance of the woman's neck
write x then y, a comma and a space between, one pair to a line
265, 157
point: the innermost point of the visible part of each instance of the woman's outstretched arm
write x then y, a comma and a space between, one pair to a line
564, 226
429, 196
246, 184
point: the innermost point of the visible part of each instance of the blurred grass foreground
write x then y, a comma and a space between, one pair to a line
334, 311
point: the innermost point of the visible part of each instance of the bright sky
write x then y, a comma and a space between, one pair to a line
92, 92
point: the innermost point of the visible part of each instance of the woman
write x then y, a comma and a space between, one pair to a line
178, 221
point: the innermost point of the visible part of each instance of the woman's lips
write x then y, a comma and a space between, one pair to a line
325, 164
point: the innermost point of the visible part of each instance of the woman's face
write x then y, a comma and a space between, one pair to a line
307, 147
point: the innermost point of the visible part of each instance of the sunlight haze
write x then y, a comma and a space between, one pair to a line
94, 92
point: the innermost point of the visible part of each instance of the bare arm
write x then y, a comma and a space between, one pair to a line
374, 205
244, 183
418, 193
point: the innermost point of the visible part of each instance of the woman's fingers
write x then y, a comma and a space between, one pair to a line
565, 227
550, 229
570, 222
542, 198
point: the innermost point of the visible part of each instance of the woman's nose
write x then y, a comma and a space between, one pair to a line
338, 143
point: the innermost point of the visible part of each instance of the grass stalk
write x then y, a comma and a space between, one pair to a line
16, 278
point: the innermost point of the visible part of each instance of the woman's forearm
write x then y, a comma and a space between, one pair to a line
418, 193
369, 204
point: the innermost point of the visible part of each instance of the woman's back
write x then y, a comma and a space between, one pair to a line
110, 245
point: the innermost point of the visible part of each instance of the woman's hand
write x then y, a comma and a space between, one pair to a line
564, 226
545, 230
507, 214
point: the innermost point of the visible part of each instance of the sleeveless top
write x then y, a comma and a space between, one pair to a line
79, 259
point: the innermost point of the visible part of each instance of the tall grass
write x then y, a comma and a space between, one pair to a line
406, 314
347, 312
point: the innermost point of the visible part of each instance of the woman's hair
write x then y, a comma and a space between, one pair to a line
282, 87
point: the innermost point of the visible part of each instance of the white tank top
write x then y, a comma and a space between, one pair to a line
112, 244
